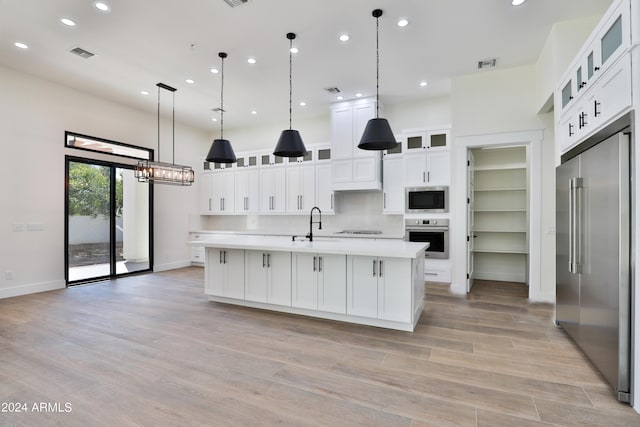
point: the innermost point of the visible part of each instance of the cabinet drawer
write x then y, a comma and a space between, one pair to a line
197, 255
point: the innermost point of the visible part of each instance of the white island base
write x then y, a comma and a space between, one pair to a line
376, 283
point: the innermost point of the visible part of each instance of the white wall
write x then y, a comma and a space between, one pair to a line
497, 102
35, 114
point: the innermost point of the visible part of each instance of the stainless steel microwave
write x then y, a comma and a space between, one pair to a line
427, 199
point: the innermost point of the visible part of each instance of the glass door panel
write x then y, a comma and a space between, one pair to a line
89, 219
132, 223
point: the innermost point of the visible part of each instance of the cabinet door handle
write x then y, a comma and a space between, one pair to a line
224, 257
571, 129
424, 177
429, 176
596, 112
264, 262
374, 268
319, 263
268, 260
380, 269
332, 201
301, 202
209, 204
221, 256
384, 200
314, 263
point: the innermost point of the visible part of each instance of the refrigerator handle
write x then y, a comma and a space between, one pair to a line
575, 225
572, 230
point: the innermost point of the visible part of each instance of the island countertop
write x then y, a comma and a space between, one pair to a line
320, 245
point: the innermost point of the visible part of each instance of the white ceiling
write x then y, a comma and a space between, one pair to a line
142, 42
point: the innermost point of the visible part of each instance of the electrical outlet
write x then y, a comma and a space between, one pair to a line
18, 227
35, 226
8, 275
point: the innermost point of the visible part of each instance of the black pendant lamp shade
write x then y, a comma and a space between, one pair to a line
377, 134
221, 150
290, 142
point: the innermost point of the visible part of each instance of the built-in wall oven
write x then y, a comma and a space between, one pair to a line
434, 231
427, 199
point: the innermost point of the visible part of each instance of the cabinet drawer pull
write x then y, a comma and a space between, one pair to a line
224, 257
596, 112
374, 268
264, 262
320, 263
268, 260
220, 257
380, 269
332, 201
571, 129
424, 177
314, 262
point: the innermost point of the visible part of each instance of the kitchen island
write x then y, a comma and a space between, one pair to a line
371, 282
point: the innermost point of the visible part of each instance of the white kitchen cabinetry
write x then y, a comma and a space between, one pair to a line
427, 158
268, 276
374, 288
217, 193
353, 169
319, 282
273, 181
393, 170
596, 89
224, 270
197, 253
247, 184
301, 187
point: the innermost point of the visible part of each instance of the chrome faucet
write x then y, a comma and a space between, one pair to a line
311, 222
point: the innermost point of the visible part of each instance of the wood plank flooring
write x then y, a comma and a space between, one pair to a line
152, 351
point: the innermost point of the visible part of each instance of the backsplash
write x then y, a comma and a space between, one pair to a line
353, 211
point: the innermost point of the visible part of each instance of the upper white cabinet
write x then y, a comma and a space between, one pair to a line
324, 191
353, 169
247, 184
217, 193
301, 187
393, 184
596, 88
427, 159
273, 190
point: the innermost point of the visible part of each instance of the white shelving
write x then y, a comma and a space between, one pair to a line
500, 214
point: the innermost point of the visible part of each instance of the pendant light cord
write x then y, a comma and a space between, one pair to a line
173, 119
377, 67
158, 123
290, 82
222, 99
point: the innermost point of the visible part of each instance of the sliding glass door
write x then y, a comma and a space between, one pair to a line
107, 221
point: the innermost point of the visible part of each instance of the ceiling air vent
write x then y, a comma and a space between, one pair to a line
332, 89
235, 3
487, 63
81, 52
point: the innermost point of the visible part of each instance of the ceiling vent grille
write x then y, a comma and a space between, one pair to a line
81, 52
332, 90
487, 63
235, 3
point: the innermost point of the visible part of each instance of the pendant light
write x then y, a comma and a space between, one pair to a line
377, 134
221, 150
159, 172
290, 143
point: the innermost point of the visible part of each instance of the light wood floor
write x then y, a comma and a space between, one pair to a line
152, 351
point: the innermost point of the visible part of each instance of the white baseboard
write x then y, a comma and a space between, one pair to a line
31, 288
499, 276
171, 265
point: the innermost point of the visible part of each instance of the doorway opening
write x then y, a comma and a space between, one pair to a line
498, 214
107, 221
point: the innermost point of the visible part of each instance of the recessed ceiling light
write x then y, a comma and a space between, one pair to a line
101, 6
402, 23
21, 45
294, 50
251, 60
303, 104
68, 22
358, 95
423, 84
339, 97
214, 119
254, 112
344, 38
144, 92
517, 2
215, 70
190, 81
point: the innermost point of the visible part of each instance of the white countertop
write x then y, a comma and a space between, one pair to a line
326, 245
302, 233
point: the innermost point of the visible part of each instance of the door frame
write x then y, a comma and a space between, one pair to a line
112, 220
533, 141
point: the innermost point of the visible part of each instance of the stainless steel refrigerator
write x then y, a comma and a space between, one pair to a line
593, 256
